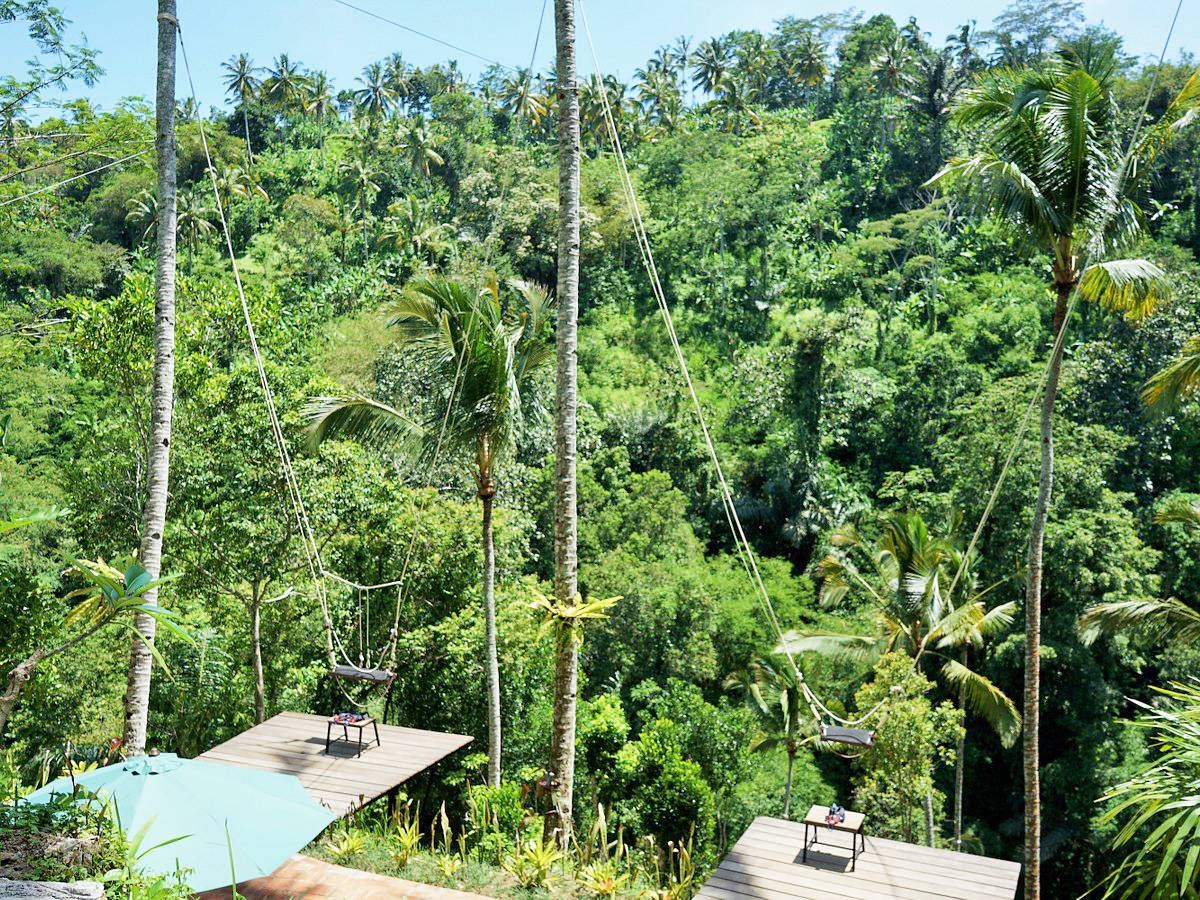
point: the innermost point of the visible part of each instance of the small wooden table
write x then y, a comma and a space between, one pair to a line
852, 825
346, 726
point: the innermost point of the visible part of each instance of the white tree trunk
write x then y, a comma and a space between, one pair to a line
566, 528
260, 691
487, 494
154, 513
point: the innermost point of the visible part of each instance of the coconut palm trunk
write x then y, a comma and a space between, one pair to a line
1033, 602
566, 664
154, 513
487, 497
787, 789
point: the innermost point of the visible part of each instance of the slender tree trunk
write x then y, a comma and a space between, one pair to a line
558, 822
17, 678
154, 513
246, 126
487, 495
1033, 610
260, 692
929, 826
787, 790
960, 754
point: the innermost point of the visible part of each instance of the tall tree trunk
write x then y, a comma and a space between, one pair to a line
487, 495
566, 527
960, 753
20, 674
154, 513
787, 790
246, 126
1033, 610
929, 827
260, 692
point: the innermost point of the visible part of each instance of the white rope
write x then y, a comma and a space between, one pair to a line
316, 567
66, 181
742, 542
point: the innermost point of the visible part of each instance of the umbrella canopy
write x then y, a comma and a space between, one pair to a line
261, 818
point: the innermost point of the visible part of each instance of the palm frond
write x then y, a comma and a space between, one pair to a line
1132, 287
1178, 511
984, 699
362, 419
1177, 382
1157, 619
856, 647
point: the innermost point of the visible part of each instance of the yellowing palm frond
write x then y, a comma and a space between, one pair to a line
1132, 287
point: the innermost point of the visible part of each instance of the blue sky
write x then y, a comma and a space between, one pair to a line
322, 34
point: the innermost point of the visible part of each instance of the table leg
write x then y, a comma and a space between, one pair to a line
328, 731
804, 857
378, 743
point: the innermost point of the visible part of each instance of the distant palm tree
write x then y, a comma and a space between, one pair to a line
907, 574
375, 99
242, 81
415, 233
776, 697
360, 179
892, 71
494, 346
808, 65
420, 144
283, 84
711, 62
399, 78
519, 98
317, 101
1051, 162
734, 103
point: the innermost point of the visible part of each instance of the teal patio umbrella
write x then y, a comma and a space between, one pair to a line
214, 810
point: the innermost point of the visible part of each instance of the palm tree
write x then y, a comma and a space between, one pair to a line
360, 179
906, 575
1051, 163
317, 101
893, 76
735, 103
519, 99
711, 62
1158, 807
489, 352
808, 65
194, 220
283, 84
566, 403
774, 694
415, 233
375, 98
1168, 620
1178, 381
242, 81
399, 78
420, 144
162, 391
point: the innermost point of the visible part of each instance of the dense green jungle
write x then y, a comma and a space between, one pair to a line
865, 285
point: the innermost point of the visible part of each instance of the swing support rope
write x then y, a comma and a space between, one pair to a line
317, 570
745, 550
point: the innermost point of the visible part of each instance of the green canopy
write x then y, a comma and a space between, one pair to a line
262, 818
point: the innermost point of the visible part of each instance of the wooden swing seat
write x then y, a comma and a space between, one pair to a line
373, 676
854, 737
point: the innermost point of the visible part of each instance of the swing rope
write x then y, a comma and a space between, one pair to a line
733, 519
317, 570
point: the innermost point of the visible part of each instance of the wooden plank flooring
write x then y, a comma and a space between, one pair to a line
295, 743
766, 863
303, 876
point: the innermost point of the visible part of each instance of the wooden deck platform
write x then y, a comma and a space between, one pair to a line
303, 876
295, 743
766, 863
